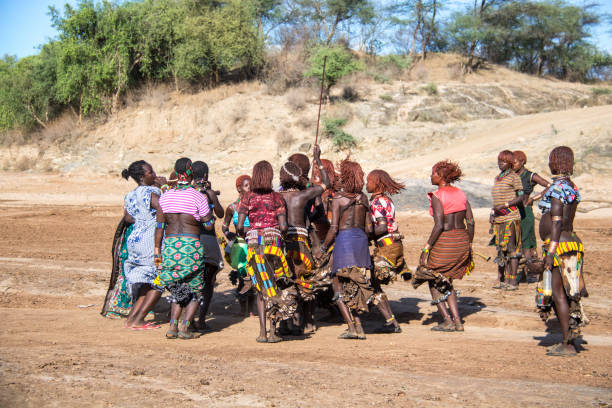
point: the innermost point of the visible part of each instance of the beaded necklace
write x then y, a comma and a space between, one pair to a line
503, 174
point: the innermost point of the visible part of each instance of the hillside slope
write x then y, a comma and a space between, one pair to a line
402, 126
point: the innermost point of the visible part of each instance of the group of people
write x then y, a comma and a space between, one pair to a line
513, 228
308, 244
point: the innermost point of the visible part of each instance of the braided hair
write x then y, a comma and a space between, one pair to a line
183, 169
291, 176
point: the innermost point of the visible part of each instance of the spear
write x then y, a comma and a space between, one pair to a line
320, 100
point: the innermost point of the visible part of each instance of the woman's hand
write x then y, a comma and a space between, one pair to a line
159, 181
548, 262
157, 259
423, 258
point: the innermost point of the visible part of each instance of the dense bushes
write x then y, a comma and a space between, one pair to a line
105, 48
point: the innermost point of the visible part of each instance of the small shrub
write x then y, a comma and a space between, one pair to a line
399, 62
340, 138
296, 98
601, 91
379, 77
386, 98
420, 73
284, 139
350, 94
431, 89
23, 163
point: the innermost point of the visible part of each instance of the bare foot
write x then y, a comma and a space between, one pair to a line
310, 328
273, 338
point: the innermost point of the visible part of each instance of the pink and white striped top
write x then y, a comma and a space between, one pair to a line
185, 201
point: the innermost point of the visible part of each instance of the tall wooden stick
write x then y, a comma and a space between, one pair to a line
320, 100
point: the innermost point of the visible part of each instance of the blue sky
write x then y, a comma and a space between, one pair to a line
24, 24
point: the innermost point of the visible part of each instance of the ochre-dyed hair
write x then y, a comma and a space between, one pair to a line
351, 176
520, 155
302, 161
291, 176
261, 180
384, 183
449, 171
505, 155
241, 179
331, 173
561, 161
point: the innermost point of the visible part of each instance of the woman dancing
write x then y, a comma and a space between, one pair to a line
185, 211
564, 251
213, 260
349, 230
506, 221
447, 254
141, 209
266, 263
388, 257
238, 248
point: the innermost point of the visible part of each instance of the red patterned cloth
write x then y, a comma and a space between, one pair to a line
382, 207
262, 209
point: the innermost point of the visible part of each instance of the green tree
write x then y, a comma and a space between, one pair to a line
340, 62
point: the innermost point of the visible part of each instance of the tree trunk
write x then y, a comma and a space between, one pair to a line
417, 28
30, 110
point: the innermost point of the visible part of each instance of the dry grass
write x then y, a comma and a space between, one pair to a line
296, 98
284, 140
24, 163
339, 110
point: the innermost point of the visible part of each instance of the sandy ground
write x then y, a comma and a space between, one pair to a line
56, 349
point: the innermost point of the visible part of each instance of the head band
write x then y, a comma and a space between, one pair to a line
293, 176
182, 177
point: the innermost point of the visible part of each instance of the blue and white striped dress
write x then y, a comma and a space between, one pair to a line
139, 266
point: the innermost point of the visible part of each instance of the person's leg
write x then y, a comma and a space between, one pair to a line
261, 312
344, 310
137, 305
150, 299
512, 250
359, 328
448, 324
210, 277
562, 312
190, 311
309, 323
454, 309
175, 315
385, 309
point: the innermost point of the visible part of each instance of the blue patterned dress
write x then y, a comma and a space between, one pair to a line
139, 267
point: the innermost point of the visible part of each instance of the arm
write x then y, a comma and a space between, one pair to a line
160, 218
127, 217
240, 226
541, 181
212, 197
333, 229
380, 228
438, 216
518, 188
317, 158
206, 218
229, 214
556, 212
469, 220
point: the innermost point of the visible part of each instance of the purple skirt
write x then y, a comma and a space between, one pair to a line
351, 249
